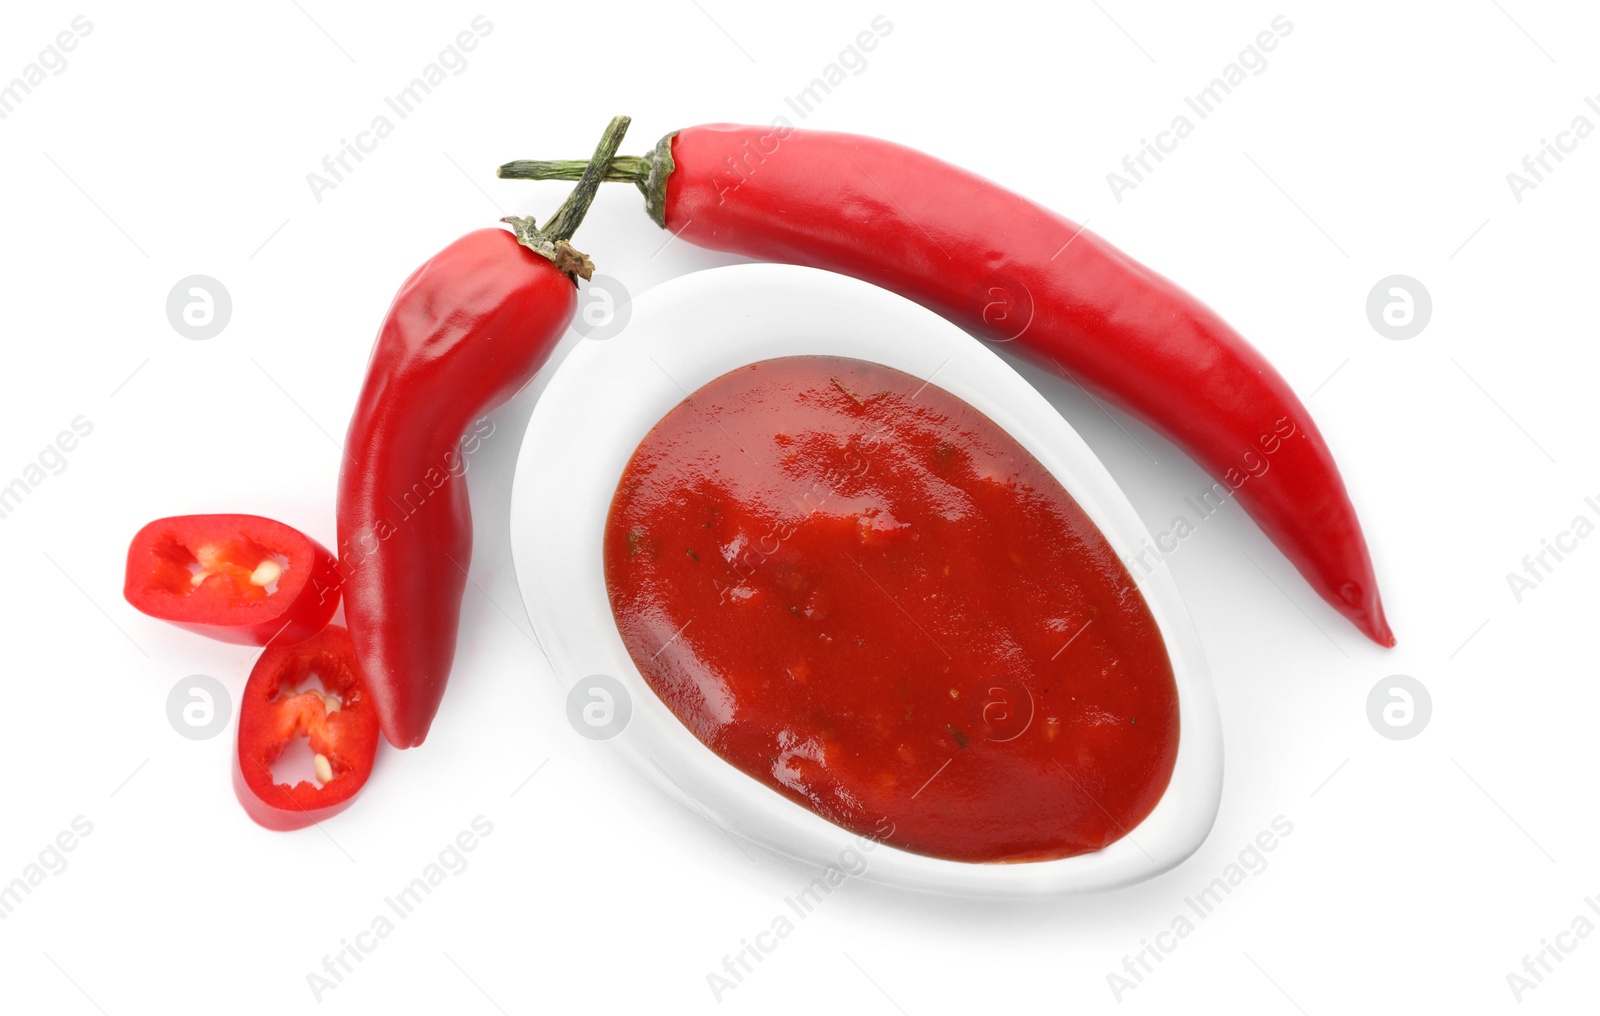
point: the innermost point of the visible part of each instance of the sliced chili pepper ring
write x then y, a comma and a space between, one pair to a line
236, 578
313, 690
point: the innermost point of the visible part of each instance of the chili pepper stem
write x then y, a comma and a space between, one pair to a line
648, 173
552, 241
623, 169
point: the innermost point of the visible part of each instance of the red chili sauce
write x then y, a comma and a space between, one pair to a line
862, 592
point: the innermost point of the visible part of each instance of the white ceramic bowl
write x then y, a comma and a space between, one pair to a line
607, 395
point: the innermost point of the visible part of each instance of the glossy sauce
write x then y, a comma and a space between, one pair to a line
863, 593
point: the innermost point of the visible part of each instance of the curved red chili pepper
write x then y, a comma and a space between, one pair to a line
465, 333
1009, 270
282, 701
236, 578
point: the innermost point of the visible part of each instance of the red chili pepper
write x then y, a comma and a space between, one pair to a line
465, 333
1009, 270
312, 690
237, 578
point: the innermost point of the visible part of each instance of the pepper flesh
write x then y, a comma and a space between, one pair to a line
236, 578
1011, 271
339, 720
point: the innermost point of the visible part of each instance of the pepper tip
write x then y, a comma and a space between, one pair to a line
1375, 626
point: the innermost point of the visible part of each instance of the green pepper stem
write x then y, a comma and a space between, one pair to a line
623, 169
649, 173
552, 241
567, 218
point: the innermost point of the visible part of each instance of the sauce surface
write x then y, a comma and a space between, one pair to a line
861, 592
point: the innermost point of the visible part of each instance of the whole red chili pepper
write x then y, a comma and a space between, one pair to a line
236, 578
465, 333
1009, 270
312, 690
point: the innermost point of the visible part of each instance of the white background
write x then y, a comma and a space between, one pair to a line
1377, 141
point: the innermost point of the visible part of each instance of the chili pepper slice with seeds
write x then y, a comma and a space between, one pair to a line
238, 578
312, 690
